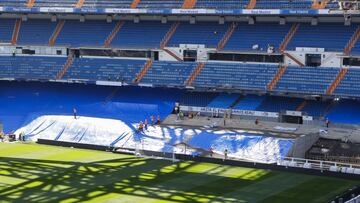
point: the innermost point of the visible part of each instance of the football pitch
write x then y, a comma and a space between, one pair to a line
40, 173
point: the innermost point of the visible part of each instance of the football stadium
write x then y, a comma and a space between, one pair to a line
180, 101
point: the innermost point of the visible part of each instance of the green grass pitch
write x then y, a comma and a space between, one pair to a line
39, 173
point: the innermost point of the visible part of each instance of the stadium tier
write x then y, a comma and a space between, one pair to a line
245, 37
309, 80
172, 4
236, 75
239, 76
93, 69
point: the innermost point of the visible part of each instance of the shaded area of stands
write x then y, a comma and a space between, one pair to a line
23, 102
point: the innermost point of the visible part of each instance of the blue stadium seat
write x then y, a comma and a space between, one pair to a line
169, 73
277, 104
222, 4
6, 30
160, 4
261, 34
224, 100
310, 80
36, 32
283, 4
350, 84
250, 102
146, 34
236, 75
30, 67
201, 99
107, 3
331, 36
89, 33
208, 34
345, 111
104, 69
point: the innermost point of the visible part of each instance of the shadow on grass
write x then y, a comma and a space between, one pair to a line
54, 181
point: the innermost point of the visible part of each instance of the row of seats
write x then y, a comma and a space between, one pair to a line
169, 73
257, 37
28, 67
172, 4
236, 75
305, 80
350, 84
309, 80
94, 69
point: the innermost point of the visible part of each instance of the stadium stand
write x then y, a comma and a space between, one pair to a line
6, 30
261, 34
277, 104
107, 3
36, 32
350, 84
331, 36
345, 111
158, 4
168, 73
283, 4
236, 75
208, 34
55, 3
222, 4
132, 35
197, 98
13, 3
224, 100
25, 67
316, 108
104, 69
310, 80
250, 102
73, 33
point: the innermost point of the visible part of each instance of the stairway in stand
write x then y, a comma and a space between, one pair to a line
65, 67
277, 77
113, 33
227, 35
56, 32
352, 41
143, 71
194, 74
189, 4
168, 35
16, 30
337, 81
80, 3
